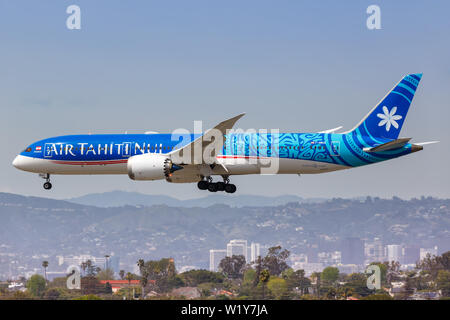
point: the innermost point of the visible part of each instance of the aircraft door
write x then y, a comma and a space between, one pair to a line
334, 150
126, 149
48, 150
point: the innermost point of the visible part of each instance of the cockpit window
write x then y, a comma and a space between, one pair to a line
28, 149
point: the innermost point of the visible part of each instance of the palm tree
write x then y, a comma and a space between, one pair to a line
45, 265
122, 274
141, 264
129, 277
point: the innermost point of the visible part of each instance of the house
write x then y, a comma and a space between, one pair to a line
396, 288
426, 295
116, 285
188, 292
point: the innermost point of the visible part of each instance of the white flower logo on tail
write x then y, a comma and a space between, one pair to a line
389, 118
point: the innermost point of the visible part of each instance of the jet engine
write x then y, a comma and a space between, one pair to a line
150, 167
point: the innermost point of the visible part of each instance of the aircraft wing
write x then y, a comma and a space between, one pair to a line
193, 152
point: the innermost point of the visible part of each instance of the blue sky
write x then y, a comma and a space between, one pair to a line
158, 65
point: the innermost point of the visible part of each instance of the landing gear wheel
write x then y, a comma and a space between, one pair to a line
230, 188
202, 185
212, 187
220, 186
47, 185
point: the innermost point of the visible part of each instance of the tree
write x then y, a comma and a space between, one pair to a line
45, 265
232, 267
330, 275
443, 282
378, 296
122, 274
83, 267
383, 271
264, 277
36, 285
107, 274
161, 272
51, 294
316, 276
88, 297
277, 287
129, 277
144, 275
357, 283
392, 270
193, 278
275, 260
432, 265
108, 288
297, 280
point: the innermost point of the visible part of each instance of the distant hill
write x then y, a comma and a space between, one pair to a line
34, 229
122, 198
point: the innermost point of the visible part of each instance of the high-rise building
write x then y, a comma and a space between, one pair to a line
215, 256
78, 260
236, 248
330, 258
255, 249
425, 251
374, 251
352, 251
394, 252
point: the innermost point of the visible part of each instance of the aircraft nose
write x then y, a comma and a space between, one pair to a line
20, 162
15, 162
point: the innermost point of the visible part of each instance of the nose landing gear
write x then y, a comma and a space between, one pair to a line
208, 184
47, 184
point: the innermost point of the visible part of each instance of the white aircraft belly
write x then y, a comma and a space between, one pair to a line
237, 165
52, 166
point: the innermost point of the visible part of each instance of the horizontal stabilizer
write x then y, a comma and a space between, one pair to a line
424, 143
391, 145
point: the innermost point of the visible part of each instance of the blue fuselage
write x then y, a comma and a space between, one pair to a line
339, 149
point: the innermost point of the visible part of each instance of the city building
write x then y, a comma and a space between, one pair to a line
394, 252
329, 258
298, 258
255, 251
349, 268
309, 268
77, 260
215, 256
237, 247
374, 251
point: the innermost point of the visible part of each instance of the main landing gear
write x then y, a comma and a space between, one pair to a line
47, 184
211, 186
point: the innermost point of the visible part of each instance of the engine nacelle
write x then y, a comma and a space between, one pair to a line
149, 166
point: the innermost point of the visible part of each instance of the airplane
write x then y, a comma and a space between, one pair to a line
178, 158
